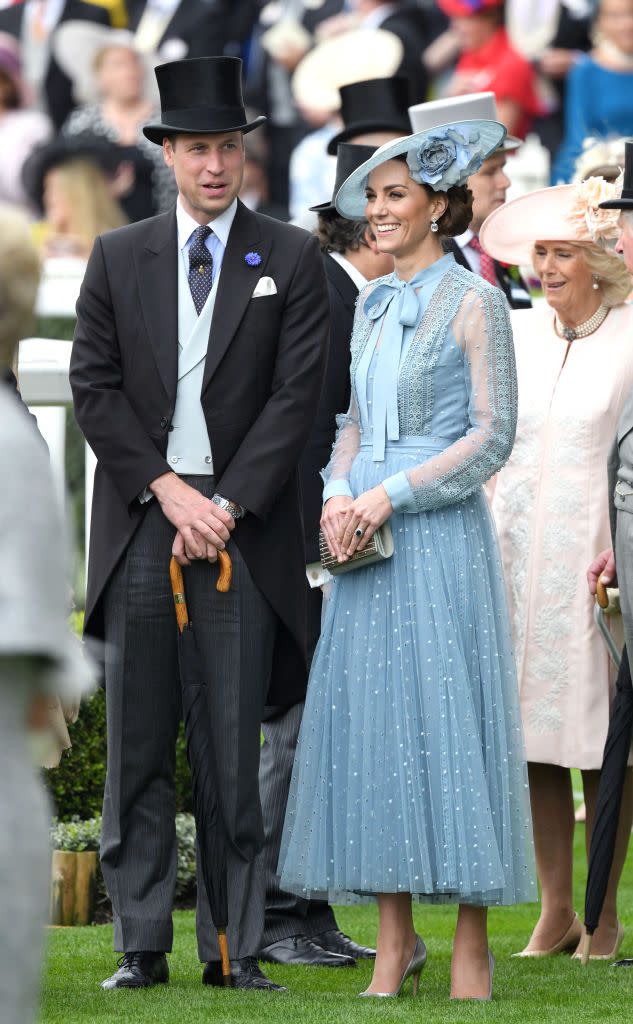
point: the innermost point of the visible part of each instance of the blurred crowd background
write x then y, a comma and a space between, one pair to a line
76, 85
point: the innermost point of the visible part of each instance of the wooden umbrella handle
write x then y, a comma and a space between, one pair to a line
601, 594
178, 590
223, 585
226, 572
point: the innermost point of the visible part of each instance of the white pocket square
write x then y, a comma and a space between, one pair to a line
265, 286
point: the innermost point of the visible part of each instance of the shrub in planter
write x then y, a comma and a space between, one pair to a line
77, 836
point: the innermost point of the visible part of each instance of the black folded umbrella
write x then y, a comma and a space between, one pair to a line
609, 799
201, 756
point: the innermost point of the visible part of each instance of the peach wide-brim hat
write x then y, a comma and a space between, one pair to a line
561, 213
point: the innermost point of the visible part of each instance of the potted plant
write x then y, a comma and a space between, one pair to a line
74, 871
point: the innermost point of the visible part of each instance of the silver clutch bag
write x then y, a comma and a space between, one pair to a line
379, 548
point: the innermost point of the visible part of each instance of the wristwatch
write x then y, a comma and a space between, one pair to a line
229, 506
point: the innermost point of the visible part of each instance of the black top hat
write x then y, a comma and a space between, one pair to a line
625, 202
202, 96
348, 158
377, 105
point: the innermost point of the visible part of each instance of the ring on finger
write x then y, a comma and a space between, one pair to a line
358, 532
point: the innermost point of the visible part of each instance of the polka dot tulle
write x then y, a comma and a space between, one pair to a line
410, 774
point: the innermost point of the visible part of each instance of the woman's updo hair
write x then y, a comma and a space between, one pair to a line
459, 212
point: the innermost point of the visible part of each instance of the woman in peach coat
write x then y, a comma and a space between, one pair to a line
574, 357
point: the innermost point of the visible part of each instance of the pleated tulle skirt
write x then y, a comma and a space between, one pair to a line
409, 773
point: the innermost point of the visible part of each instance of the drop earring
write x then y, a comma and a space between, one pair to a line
434, 227
595, 280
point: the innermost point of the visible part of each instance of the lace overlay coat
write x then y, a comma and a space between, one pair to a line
551, 509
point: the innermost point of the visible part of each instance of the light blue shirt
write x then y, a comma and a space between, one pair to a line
216, 242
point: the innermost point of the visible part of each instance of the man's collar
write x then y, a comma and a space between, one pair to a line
359, 280
221, 226
463, 240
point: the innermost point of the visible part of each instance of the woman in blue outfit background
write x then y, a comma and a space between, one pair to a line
409, 777
599, 93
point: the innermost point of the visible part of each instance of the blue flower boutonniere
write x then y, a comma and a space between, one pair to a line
253, 259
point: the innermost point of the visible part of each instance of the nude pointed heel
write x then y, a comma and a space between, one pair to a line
413, 970
570, 940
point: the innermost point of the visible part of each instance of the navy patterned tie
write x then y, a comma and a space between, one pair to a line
200, 267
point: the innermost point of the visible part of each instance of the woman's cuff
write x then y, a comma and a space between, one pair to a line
337, 489
400, 492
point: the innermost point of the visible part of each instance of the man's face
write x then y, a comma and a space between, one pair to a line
209, 171
489, 186
624, 244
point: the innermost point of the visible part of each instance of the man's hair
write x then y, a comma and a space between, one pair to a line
338, 234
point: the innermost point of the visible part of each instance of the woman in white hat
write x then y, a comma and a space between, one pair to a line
409, 778
115, 86
575, 369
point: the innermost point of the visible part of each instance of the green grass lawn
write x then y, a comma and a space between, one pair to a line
525, 992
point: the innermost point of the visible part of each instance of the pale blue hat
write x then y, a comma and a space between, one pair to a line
439, 157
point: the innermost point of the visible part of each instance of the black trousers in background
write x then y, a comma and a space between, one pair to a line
286, 914
235, 633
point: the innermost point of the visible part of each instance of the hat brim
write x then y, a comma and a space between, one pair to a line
510, 144
357, 55
617, 204
323, 208
350, 199
363, 128
75, 47
157, 132
510, 232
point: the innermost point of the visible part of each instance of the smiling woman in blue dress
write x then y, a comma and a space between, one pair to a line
409, 778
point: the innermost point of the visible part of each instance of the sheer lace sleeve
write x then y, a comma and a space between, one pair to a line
336, 473
482, 330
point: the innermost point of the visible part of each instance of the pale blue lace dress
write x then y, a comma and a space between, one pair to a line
409, 774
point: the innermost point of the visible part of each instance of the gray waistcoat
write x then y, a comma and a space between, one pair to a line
188, 445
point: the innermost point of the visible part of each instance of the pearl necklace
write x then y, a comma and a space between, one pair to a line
582, 330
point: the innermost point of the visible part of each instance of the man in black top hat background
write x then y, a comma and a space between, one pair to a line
196, 370
373, 112
620, 463
298, 931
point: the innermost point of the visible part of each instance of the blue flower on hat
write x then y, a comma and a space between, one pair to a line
253, 259
447, 157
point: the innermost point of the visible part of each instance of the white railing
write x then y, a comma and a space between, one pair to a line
43, 365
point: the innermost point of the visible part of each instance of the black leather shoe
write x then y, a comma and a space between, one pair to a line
245, 973
335, 941
139, 970
300, 951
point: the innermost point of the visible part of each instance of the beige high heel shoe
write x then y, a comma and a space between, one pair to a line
579, 954
570, 940
413, 970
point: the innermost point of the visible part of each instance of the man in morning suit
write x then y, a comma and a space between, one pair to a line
298, 931
489, 186
196, 371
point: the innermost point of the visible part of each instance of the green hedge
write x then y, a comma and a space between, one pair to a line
76, 787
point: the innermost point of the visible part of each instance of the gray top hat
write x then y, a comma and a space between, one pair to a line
478, 105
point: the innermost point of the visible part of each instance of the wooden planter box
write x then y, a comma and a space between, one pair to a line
73, 886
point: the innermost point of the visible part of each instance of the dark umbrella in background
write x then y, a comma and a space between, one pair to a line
609, 799
201, 756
